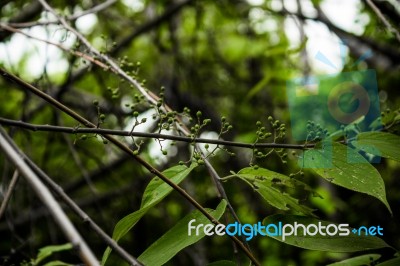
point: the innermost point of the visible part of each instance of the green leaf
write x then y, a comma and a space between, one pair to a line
222, 263
57, 263
177, 238
336, 243
379, 143
392, 262
273, 186
155, 191
345, 167
49, 250
357, 261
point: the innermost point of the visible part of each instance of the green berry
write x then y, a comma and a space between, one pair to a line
198, 114
164, 152
102, 116
95, 102
206, 121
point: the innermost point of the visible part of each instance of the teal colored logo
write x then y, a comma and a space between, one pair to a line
342, 104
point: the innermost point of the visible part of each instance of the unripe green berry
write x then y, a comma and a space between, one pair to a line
200, 162
258, 123
95, 102
135, 152
83, 137
102, 116
164, 152
198, 114
105, 141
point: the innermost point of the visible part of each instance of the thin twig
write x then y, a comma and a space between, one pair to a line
101, 131
383, 19
76, 53
44, 194
9, 192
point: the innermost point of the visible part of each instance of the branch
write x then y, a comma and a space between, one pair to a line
8, 194
47, 198
31, 11
94, 9
73, 206
113, 132
383, 19
171, 11
390, 53
76, 53
22, 84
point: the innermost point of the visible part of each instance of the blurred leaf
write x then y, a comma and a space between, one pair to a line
155, 191
57, 263
49, 250
259, 86
392, 262
177, 238
345, 167
379, 143
337, 243
271, 185
357, 261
